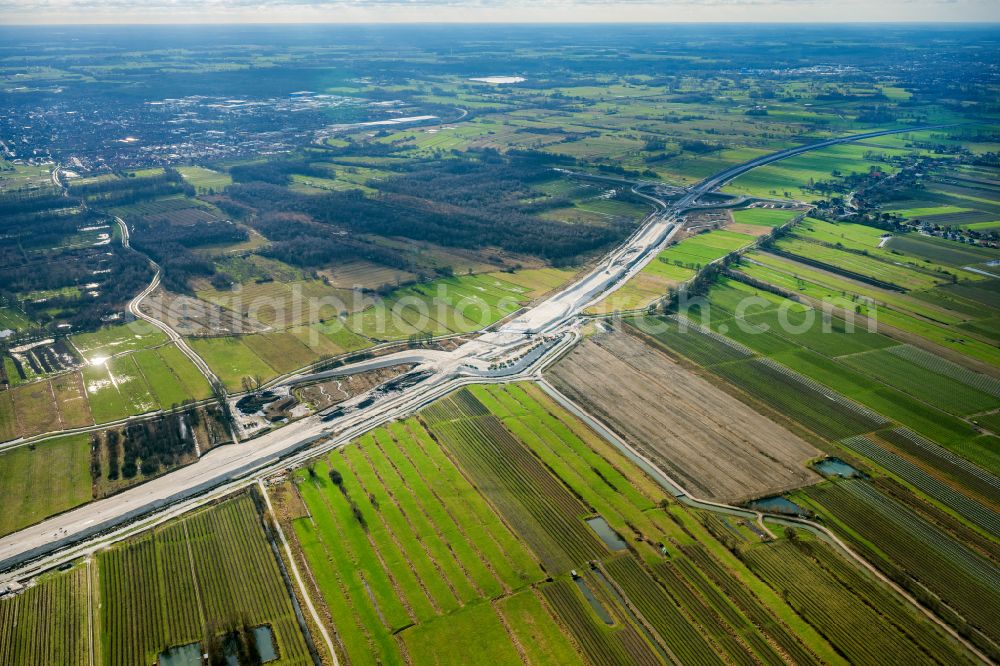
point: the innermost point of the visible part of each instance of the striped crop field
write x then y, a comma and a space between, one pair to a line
211, 571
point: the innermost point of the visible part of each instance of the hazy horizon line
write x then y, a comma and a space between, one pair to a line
584, 22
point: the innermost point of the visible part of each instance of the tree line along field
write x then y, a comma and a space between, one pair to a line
202, 575
465, 521
58, 474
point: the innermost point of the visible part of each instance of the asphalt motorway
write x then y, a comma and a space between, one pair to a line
556, 318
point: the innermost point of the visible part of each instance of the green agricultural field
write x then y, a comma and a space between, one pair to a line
278, 302
895, 537
44, 479
932, 210
111, 340
283, 352
949, 253
44, 406
117, 389
538, 281
959, 490
12, 318
171, 376
205, 179
648, 286
934, 315
813, 370
29, 632
765, 217
204, 574
231, 360
943, 392
402, 495
35, 408
697, 251
449, 305
9, 427
672, 267
830, 593
71, 400
891, 275
475, 629
793, 176
380, 510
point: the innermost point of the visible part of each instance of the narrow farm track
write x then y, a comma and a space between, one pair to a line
303, 590
226, 469
174, 336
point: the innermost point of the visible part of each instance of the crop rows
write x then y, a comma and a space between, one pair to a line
816, 386
728, 612
972, 510
458, 405
342, 582
693, 343
610, 493
907, 619
945, 367
712, 625
785, 392
164, 588
943, 392
47, 623
740, 349
684, 639
962, 579
858, 631
967, 474
428, 546
596, 641
751, 606
542, 510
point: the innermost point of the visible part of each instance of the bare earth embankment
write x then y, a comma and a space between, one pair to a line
709, 441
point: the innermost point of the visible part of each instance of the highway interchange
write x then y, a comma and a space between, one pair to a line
546, 329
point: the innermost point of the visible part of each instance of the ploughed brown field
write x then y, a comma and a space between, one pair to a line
711, 443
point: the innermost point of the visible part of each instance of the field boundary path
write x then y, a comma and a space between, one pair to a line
303, 590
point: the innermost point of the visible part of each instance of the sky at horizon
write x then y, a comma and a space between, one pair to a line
69, 12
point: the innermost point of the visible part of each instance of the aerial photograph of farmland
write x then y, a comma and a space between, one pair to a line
545, 332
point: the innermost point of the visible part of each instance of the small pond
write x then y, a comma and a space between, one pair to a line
601, 611
835, 467
777, 504
265, 643
182, 655
608, 535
